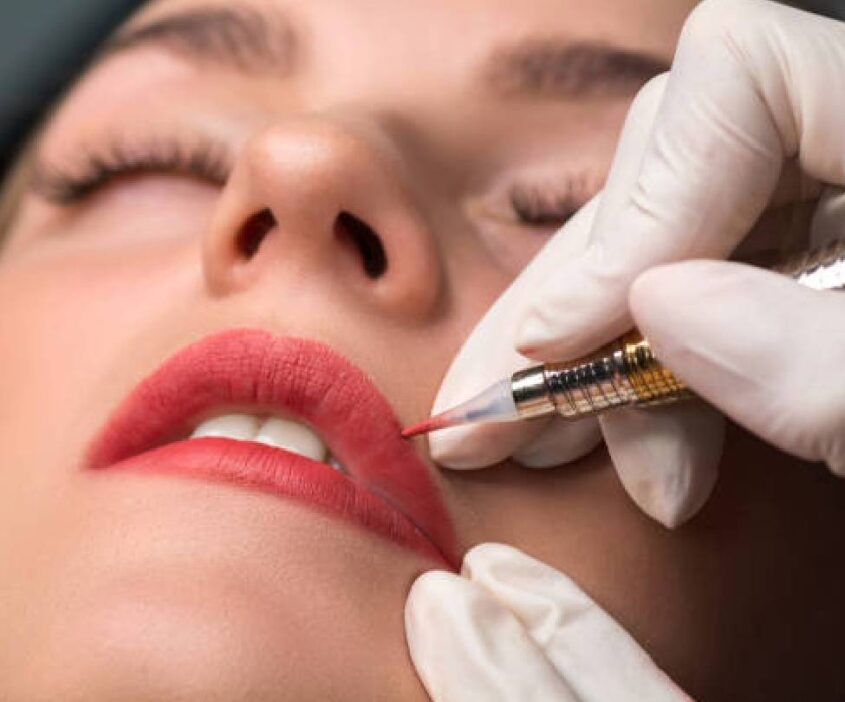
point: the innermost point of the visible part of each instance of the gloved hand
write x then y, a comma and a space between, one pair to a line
750, 117
512, 629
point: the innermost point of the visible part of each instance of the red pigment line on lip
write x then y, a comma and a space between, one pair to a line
251, 368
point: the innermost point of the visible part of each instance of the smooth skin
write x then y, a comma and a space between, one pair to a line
123, 587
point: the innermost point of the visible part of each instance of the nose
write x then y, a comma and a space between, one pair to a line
326, 201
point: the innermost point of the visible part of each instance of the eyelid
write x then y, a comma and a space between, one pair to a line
91, 168
543, 207
546, 204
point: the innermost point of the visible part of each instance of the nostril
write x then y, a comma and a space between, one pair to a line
349, 228
254, 231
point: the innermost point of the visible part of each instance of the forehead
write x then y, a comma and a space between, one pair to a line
448, 28
370, 48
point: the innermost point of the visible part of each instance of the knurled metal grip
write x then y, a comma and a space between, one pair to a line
591, 384
624, 373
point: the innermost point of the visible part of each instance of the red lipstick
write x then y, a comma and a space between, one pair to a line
389, 489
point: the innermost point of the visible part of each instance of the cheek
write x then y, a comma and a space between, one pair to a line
62, 324
71, 301
132, 211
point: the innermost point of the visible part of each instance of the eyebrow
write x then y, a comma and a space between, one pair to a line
243, 39
556, 69
249, 40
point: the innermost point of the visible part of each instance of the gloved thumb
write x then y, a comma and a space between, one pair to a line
511, 628
488, 355
760, 347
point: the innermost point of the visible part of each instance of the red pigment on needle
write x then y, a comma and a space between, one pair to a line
425, 427
495, 404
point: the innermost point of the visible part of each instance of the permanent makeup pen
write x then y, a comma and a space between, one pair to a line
624, 373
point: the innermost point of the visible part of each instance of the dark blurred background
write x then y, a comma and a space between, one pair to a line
44, 43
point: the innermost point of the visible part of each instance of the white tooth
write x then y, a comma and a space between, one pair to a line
231, 426
293, 437
334, 463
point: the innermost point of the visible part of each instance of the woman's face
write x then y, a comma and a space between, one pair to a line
369, 176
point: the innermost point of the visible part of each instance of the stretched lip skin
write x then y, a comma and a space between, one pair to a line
389, 490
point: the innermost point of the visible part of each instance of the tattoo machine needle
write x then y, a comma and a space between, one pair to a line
624, 373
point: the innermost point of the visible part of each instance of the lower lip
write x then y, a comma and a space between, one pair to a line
268, 469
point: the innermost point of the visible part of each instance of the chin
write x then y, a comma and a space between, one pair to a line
281, 604
153, 643
138, 651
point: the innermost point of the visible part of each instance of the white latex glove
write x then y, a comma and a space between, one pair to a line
750, 114
512, 629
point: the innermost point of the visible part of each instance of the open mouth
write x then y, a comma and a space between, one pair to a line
285, 416
269, 430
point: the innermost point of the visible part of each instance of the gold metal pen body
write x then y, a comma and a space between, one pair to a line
622, 374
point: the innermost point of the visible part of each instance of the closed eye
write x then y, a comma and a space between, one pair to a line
551, 206
94, 169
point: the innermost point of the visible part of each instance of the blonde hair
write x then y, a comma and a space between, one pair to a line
13, 188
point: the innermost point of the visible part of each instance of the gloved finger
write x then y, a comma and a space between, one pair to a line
551, 446
467, 646
600, 661
541, 329
753, 84
666, 460
766, 351
488, 355
557, 442
631, 150
666, 457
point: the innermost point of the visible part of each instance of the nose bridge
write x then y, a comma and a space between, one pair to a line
328, 194
312, 170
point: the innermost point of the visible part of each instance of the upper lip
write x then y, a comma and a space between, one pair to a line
254, 369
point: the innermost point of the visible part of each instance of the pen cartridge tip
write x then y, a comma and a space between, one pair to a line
495, 404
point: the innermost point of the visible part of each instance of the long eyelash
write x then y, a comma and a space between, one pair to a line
544, 206
64, 185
